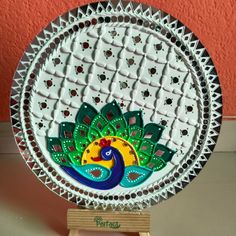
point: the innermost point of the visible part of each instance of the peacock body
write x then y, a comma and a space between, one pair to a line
104, 149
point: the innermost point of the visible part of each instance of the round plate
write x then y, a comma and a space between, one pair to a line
116, 106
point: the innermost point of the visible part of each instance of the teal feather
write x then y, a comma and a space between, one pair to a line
135, 175
93, 172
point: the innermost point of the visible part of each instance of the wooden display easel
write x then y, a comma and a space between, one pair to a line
113, 221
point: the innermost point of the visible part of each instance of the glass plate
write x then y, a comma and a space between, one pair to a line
116, 105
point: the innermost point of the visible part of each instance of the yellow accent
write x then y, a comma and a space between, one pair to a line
125, 148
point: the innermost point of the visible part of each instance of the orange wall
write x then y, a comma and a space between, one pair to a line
213, 21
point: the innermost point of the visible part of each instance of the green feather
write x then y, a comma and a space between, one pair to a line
93, 134
75, 157
153, 132
134, 118
86, 114
61, 158
66, 129
80, 132
111, 110
99, 122
136, 132
109, 130
67, 145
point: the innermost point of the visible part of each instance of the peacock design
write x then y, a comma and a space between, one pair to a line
108, 148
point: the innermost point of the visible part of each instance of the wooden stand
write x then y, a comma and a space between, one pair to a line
113, 221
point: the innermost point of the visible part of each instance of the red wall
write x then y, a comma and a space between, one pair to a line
213, 21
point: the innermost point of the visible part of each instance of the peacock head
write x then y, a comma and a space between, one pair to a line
107, 149
107, 153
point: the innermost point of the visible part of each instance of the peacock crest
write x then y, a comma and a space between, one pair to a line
108, 148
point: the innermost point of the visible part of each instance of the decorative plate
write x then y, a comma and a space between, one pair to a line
116, 106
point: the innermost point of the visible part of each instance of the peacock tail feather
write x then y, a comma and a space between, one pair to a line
78, 144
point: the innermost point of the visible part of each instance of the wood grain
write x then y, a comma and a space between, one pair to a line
112, 221
144, 234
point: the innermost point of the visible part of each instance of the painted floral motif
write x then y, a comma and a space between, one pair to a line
158, 47
130, 61
85, 45
108, 53
124, 84
152, 71
73, 92
137, 39
97, 99
146, 94
113, 33
43, 105
168, 101
49, 83
184, 132
175, 80
79, 69
108, 148
56, 61
102, 77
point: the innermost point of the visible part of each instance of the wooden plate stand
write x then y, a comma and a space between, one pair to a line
113, 221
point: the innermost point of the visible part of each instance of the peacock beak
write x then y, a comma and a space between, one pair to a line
96, 158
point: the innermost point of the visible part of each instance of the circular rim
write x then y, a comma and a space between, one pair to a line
177, 34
